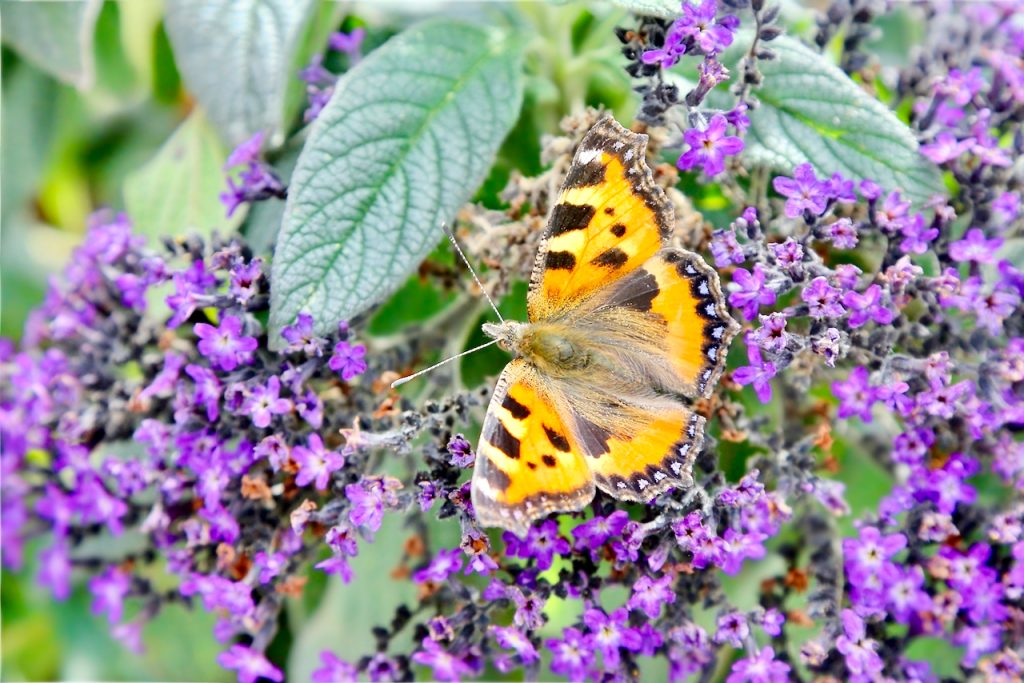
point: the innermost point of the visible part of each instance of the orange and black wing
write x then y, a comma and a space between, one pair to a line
528, 463
609, 219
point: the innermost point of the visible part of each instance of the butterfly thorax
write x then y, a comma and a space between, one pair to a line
553, 347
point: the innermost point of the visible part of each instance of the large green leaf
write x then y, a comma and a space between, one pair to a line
666, 9
236, 57
177, 191
811, 111
407, 137
55, 36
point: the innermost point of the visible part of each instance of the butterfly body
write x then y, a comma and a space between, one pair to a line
623, 331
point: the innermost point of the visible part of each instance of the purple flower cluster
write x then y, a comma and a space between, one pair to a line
225, 431
319, 80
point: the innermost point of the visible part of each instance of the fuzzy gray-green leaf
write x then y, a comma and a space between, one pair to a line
55, 36
812, 112
409, 134
236, 56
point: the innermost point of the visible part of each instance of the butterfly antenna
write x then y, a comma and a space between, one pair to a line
451, 238
403, 380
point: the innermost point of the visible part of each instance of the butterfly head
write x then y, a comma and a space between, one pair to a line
509, 334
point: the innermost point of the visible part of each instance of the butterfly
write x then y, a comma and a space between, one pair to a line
623, 332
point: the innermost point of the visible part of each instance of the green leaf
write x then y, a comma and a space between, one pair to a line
407, 137
812, 112
55, 36
176, 192
666, 9
236, 57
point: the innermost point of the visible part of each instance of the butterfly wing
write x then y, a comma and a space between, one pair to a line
609, 219
528, 463
680, 292
657, 453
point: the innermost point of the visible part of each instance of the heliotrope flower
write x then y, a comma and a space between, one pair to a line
225, 345
709, 146
804, 192
748, 291
250, 664
315, 462
759, 668
264, 401
759, 373
333, 669
348, 360
572, 654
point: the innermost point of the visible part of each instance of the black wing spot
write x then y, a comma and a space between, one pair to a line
557, 440
618, 229
515, 408
610, 210
569, 217
503, 440
613, 258
549, 460
585, 175
560, 260
532, 465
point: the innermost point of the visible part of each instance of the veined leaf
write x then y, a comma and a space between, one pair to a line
55, 36
408, 135
236, 56
812, 112
177, 191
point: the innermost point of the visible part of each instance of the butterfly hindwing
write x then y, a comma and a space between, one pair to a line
528, 463
609, 219
658, 454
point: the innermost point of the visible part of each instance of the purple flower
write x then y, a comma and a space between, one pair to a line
333, 669
974, 247
788, 254
271, 565
710, 146
772, 335
444, 564
759, 373
246, 153
445, 666
946, 147
264, 401
461, 452
208, 390
510, 637
301, 338
572, 655
698, 22
609, 633
804, 192
858, 650
109, 590
367, 506
892, 214
224, 345
315, 462
772, 622
867, 307
726, 250
55, 569
870, 190
250, 664
650, 594
841, 189
856, 395
822, 299
529, 609
542, 543
732, 628
596, 532
350, 43
748, 291
348, 360
867, 554
245, 278
917, 235
759, 668
843, 233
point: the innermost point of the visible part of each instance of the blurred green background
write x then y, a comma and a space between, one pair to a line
81, 127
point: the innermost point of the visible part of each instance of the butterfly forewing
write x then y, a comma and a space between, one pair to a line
609, 219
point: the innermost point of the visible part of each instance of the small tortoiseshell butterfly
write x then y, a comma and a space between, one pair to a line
624, 330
